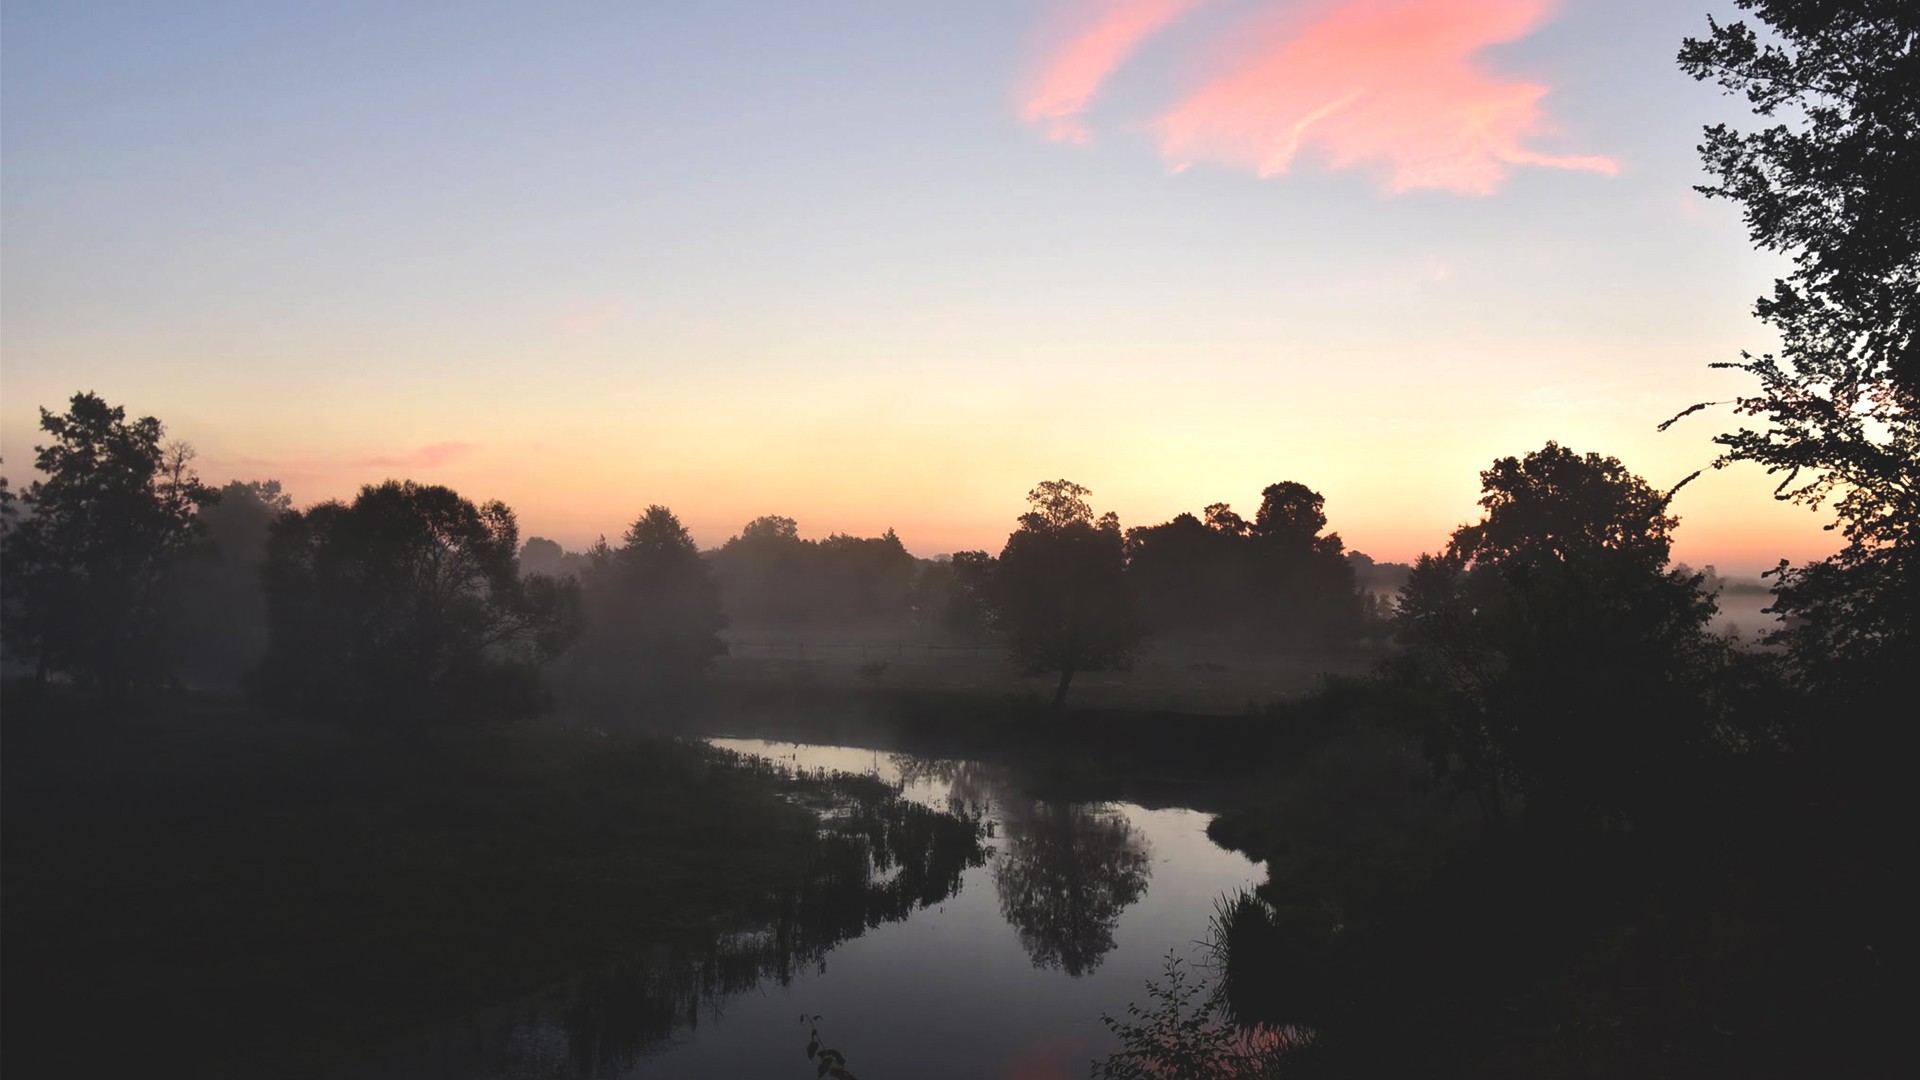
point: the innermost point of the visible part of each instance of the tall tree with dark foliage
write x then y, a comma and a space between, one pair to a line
653, 615
1278, 580
1833, 180
1561, 662
1060, 590
407, 605
87, 568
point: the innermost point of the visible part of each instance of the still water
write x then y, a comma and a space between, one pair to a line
982, 939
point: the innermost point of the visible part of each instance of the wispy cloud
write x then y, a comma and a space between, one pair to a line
1096, 37
425, 457
1392, 87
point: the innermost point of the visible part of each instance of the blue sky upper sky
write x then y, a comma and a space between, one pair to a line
833, 261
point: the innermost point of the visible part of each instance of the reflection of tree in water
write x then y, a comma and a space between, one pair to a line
974, 788
1068, 871
882, 858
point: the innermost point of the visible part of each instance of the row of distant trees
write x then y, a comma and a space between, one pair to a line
123, 570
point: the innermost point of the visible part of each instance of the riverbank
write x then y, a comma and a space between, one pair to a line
190, 887
1151, 757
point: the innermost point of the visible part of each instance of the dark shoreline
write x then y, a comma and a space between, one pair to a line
192, 887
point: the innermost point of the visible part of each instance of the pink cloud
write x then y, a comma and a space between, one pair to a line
1389, 86
1099, 36
426, 457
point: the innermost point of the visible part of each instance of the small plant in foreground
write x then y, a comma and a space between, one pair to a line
1182, 1036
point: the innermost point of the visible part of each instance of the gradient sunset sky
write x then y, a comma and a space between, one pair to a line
885, 264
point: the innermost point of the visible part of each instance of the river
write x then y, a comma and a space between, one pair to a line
983, 940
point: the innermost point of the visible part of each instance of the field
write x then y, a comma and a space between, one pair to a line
1183, 679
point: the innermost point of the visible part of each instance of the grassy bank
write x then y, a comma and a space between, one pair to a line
192, 886
1152, 757
1170, 677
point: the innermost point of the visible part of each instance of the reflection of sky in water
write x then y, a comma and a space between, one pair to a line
952, 991
1072, 912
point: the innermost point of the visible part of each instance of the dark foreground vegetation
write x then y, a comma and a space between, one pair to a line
193, 889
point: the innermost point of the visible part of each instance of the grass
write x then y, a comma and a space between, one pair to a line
1168, 678
194, 885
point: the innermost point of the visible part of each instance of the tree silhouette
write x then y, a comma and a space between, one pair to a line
653, 613
863, 582
540, 555
407, 604
1561, 660
1060, 591
773, 579
1191, 578
224, 610
86, 571
1274, 580
1832, 181
1068, 871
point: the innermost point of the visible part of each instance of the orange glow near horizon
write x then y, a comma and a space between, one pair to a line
1392, 512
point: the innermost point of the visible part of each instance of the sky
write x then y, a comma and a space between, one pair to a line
874, 265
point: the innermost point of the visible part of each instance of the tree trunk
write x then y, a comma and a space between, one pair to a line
1060, 692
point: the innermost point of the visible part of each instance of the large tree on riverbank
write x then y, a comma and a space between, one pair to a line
1833, 181
1558, 657
1060, 591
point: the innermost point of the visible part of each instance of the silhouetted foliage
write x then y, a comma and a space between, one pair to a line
1068, 872
653, 615
9, 508
1274, 580
957, 595
1562, 663
407, 605
1191, 579
1304, 575
540, 555
224, 608
1184, 1034
87, 569
771, 578
1059, 589
1378, 584
1833, 184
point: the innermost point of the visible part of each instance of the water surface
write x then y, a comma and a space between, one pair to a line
985, 940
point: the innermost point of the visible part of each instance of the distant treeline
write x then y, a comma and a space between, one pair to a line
124, 571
